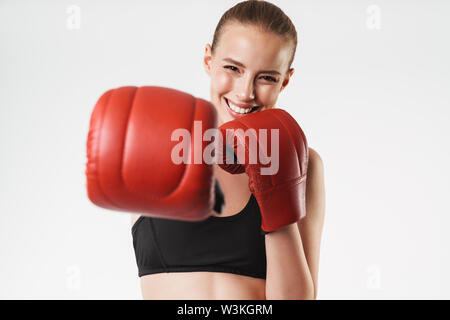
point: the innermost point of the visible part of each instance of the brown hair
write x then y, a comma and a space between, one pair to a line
263, 14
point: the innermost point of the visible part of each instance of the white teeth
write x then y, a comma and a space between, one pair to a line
238, 109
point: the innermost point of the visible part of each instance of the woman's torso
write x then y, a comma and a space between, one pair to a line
211, 284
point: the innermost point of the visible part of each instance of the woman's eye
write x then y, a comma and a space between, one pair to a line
269, 78
233, 68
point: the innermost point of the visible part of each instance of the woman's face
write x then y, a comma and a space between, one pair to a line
248, 70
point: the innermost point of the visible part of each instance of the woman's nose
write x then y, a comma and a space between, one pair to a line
245, 90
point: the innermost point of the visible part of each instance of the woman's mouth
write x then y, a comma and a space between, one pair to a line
239, 111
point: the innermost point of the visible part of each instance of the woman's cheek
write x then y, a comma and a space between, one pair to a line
268, 97
223, 82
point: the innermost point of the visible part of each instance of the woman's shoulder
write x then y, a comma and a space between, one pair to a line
315, 160
316, 175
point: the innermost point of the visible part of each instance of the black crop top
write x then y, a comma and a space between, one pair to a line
232, 244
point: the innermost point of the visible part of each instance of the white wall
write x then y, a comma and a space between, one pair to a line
372, 96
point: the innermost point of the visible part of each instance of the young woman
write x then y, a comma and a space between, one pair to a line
249, 63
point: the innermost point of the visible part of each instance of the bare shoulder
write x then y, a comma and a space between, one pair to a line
315, 162
315, 187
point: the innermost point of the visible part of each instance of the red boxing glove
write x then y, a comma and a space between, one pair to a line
129, 152
280, 185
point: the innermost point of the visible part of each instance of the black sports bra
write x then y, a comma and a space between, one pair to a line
232, 244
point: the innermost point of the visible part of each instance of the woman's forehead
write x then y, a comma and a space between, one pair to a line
253, 47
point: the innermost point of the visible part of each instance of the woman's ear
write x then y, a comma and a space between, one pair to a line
287, 78
207, 59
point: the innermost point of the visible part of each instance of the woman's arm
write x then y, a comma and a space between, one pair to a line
311, 226
293, 256
288, 275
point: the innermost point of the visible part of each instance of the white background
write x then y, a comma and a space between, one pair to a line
371, 94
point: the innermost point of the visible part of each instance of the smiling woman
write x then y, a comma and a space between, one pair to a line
227, 256
250, 59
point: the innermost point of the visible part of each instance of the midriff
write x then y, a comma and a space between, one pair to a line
202, 286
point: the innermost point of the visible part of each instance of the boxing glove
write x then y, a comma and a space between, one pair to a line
130, 148
272, 149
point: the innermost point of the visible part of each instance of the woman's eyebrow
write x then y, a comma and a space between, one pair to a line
243, 66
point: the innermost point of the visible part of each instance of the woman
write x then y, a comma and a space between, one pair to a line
249, 63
